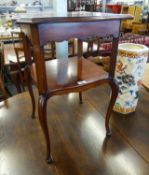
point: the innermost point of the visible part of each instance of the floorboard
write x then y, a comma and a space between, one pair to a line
79, 145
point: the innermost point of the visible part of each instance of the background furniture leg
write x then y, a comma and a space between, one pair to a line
16, 81
28, 81
2, 89
80, 98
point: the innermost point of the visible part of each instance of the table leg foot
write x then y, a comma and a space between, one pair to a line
49, 159
108, 133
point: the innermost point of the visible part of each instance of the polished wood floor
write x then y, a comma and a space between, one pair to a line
79, 146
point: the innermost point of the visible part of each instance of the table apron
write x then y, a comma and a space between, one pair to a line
82, 30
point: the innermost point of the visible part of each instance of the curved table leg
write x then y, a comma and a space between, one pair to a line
42, 105
28, 80
114, 94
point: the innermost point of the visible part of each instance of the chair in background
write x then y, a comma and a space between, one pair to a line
4, 69
17, 72
96, 54
49, 48
143, 28
71, 47
49, 51
2, 86
15, 68
138, 11
127, 23
18, 62
135, 11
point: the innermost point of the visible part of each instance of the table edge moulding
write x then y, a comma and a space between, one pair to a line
42, 28
40, 18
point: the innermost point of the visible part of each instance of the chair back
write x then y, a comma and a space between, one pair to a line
19, 47
1, 57
16, 39
90, 49
2, 86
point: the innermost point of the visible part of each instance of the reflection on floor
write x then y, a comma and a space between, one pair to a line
79, 146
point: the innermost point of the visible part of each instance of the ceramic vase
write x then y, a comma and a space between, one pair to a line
129, 71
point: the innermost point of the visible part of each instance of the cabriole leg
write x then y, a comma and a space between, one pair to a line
114, 94
42, 105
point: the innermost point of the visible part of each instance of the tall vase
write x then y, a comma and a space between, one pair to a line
130, 66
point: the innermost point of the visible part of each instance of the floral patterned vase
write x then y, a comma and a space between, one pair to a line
130, 65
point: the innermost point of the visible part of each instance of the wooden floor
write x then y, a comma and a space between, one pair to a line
79, 146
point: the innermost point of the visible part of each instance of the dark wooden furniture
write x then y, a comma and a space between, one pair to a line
7, 66
57, 77
2, 86
12, 67
18, 48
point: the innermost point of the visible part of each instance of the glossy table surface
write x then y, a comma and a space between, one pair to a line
70, 73
78, 139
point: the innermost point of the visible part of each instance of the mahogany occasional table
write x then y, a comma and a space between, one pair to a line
44, 27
